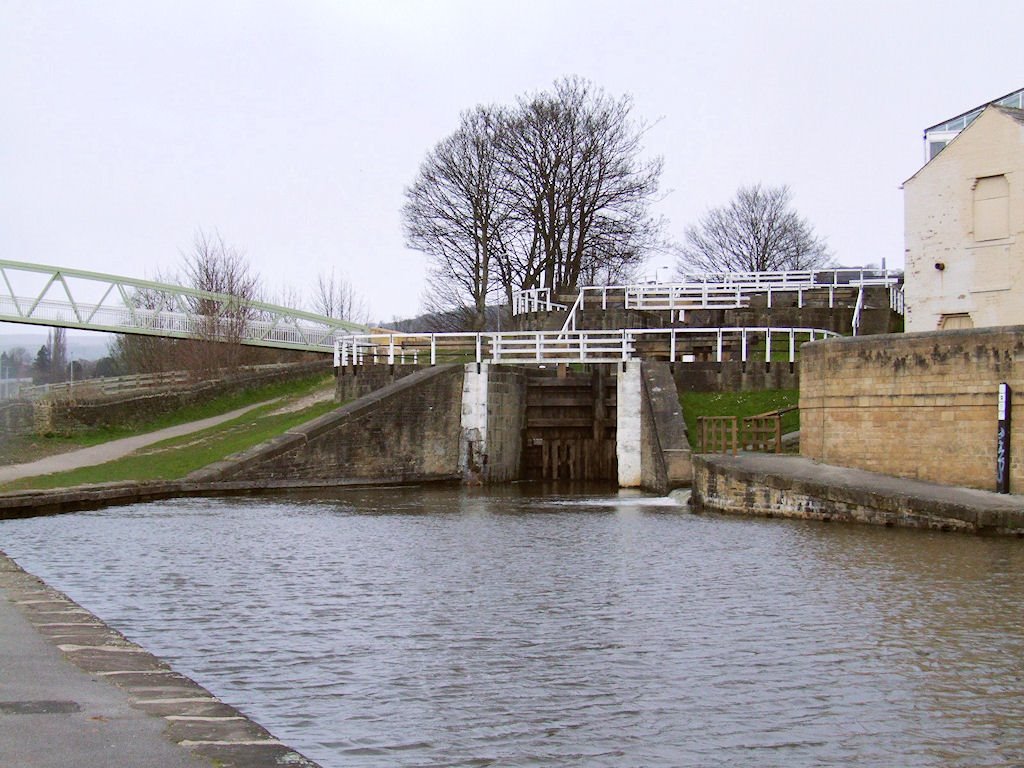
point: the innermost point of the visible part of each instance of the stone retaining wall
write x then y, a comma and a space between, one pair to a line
355, 381
407, 430
920, 405
16, 418
665, 449
735, 376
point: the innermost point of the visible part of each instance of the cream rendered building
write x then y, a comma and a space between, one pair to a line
964, 228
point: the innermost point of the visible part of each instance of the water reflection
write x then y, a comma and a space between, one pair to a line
457, 627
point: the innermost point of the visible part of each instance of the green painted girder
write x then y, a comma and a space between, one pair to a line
130, 305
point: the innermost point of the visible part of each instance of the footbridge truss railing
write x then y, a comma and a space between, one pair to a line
766, 344
44, 295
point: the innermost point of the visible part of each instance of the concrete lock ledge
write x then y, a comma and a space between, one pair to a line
128, 708
772, 485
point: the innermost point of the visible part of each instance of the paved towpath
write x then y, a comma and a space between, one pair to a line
114, 449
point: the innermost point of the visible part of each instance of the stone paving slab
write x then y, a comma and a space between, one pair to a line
75, 692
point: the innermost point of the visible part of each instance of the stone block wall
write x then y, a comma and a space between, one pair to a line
405, 431
790, 487
665, 449
919, 405
734, 376
355, 381
16, 418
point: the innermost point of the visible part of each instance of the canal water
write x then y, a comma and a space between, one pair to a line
462, 627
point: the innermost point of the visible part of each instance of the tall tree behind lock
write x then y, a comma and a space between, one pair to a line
458, 212
757, 231
582, 191
548, 193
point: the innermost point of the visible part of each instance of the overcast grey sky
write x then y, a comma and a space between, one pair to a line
293, 127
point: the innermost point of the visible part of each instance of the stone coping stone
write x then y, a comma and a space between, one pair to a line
896, 498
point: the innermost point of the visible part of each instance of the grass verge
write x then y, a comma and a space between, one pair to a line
175, 458
20, 449
739, 404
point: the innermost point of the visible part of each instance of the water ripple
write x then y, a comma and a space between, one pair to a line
448, 627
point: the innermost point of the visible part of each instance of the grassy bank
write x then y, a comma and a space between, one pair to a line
175, 458
25, 448
739, 404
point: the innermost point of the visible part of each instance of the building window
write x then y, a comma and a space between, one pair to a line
991, 208
954, 321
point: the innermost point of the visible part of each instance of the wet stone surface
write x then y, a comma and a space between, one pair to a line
38, 707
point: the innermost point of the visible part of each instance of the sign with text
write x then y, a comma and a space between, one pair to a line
1003, 440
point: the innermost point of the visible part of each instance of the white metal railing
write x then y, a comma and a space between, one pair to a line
533, 300
896, 300
675, 344
857, 309
712, 290
128, 305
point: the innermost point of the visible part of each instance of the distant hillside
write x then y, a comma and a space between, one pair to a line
81, 345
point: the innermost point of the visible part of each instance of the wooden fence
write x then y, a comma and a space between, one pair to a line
731, 434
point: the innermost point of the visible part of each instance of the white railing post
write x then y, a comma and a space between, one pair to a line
433, 349
792, 345
768, 345
391, 349
479, 354
539, 350
672, 345
743, 345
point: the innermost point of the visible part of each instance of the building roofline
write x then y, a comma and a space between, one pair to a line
1010, 113
973, 109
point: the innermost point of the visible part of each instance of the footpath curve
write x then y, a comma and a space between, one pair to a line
114, 449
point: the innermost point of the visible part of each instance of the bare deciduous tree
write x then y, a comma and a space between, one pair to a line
758, 231
334, 296
582, 191
213, 266
456, 209
549, 193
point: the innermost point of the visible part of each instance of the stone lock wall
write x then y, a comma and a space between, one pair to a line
355, 381
408, 430
920, 405
734, 376
666, 460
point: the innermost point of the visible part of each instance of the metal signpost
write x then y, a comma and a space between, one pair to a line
1003, 441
